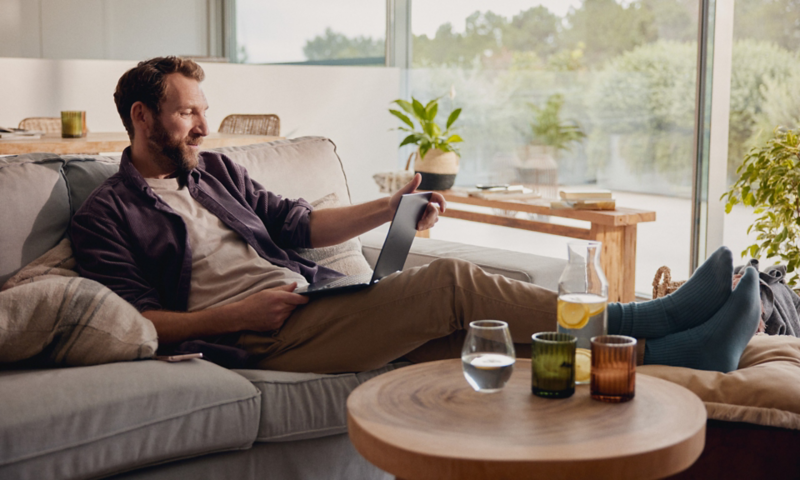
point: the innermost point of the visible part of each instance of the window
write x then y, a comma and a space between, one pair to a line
765, 74
622, 72
314, 32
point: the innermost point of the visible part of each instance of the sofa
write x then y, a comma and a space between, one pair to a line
147, 419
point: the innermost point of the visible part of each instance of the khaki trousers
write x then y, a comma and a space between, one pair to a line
421, 314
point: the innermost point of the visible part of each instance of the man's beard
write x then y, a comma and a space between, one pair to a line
172, 155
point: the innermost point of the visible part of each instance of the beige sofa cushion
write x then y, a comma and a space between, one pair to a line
305, 167
297, 406
93, 422
765, 390
308, 168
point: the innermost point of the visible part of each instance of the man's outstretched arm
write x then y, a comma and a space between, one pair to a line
331, 226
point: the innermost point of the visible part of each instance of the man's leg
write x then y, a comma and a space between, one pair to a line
369, 328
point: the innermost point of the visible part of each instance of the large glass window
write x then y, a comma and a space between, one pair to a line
622, 72
345, 32
764, 93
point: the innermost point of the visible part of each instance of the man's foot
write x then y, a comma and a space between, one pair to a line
718, 343
691, 305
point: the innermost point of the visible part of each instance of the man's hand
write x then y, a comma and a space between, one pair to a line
436, 203
268, 309
261, 312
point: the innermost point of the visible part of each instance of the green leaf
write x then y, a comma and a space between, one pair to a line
419, 110
453, 117
454, 139
402, 117
411, 139
431, 112
405, 106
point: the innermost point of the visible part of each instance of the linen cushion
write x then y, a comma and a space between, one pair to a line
764, 390
305, 167
35, 209
299, 406
88, 422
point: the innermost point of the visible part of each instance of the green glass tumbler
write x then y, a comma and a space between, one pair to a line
553, 364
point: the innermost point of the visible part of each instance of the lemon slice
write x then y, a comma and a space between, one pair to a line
596, 308
572, 315
583, 364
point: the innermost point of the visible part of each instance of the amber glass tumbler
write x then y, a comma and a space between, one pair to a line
613, 377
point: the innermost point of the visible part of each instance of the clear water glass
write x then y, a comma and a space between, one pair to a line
488, 355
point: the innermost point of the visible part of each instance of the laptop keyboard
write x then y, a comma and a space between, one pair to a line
349, 280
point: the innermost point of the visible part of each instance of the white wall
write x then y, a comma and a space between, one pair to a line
103, 29
347, 104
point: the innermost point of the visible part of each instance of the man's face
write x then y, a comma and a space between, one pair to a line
177, 132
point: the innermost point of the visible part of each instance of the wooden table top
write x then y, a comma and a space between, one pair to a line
619, 217
95, 142
425, 422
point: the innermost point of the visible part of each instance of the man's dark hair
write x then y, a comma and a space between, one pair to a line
146, 83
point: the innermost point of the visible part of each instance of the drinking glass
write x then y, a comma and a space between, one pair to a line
73, 124
553, 364
613, 368
582, 299
488, 355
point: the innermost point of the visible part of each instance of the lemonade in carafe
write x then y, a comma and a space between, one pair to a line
582, 299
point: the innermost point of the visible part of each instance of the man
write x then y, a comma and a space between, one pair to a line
203, 252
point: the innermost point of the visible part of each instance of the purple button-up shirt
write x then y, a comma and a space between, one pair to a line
128, 239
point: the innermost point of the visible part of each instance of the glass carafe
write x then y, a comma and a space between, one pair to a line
582, 299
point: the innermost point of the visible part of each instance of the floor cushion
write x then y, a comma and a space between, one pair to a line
764, 390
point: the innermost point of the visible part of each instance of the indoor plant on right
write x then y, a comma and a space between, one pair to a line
769, 181
549, 135
436, 157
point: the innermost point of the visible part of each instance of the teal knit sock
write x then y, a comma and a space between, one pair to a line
691, 305
718, 343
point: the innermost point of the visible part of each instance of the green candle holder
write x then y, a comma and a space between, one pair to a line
553, 364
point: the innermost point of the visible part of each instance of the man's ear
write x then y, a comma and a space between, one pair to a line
141, 117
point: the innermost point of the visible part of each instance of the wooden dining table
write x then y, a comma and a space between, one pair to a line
96, 142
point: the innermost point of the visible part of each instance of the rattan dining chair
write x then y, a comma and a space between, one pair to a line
41, 124
251, 125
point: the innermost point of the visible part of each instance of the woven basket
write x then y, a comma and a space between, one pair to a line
663, 284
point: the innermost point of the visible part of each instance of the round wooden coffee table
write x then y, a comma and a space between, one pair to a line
425, 422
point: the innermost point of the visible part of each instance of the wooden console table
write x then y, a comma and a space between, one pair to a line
615, 228
111, 142
424, 422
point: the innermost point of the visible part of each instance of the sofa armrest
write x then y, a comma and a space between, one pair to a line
526, 267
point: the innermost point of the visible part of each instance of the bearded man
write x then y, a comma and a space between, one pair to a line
204, 252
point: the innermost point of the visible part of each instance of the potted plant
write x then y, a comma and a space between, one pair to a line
769, 181
436, 157
549, 135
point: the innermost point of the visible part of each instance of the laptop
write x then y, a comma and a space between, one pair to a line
393, 254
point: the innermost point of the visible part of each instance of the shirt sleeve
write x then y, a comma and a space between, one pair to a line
287, 220
103, 255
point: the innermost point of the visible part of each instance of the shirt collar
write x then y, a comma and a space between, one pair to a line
132, 175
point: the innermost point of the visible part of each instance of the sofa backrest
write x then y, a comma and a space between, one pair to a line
39, 192
34, 209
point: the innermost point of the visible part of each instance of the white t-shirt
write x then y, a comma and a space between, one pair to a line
225, 268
